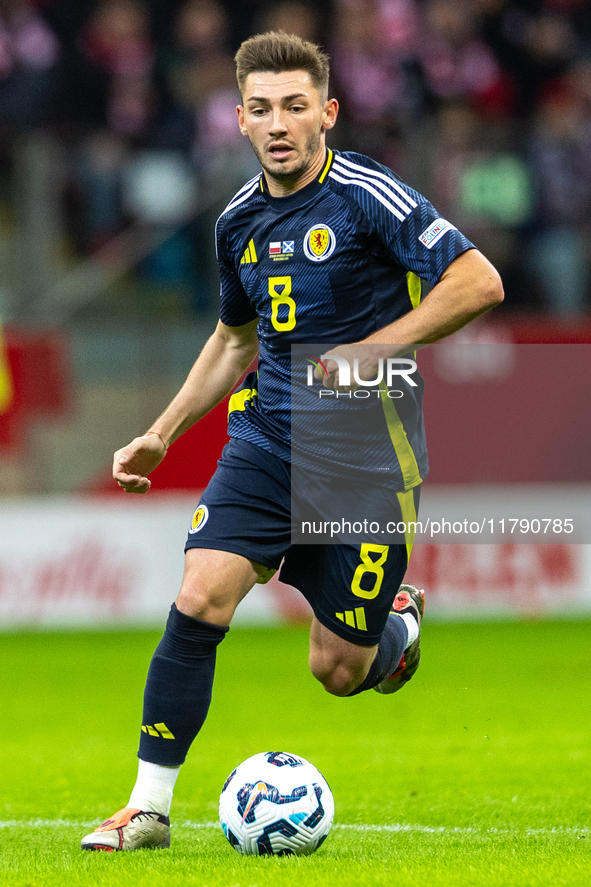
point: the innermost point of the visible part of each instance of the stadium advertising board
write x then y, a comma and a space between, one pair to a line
87, 563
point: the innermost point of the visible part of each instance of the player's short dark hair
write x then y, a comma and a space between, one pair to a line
277, 51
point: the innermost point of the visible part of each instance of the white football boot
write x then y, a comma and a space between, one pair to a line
129, 829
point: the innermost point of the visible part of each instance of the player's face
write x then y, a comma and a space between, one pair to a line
286, 119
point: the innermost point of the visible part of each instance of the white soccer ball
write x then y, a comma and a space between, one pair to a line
276, 804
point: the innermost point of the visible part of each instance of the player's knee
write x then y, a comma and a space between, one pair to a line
339, 685
338, 679
205, 604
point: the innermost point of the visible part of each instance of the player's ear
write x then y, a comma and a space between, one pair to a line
329, 114
241, 125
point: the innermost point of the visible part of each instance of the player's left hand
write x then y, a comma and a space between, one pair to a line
361, 362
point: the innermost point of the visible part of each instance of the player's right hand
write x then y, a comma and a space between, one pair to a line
133, 463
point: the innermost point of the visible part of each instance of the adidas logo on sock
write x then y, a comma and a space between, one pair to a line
160, 730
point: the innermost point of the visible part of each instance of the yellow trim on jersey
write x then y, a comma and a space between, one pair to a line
327, 167
250, 254
409, 516
402, 448
414, 284
239, 400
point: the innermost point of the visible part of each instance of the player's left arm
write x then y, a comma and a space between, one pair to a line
469, 286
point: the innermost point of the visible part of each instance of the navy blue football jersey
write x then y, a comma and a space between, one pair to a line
330, 264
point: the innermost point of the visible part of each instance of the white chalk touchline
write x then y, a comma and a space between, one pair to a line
396, 827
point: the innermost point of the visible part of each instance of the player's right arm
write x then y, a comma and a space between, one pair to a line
225, 357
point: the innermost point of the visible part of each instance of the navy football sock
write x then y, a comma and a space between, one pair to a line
178, 688
390, 649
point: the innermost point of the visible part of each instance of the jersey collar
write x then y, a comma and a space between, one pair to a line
298, 198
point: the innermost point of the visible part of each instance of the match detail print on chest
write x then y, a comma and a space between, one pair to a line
285, 272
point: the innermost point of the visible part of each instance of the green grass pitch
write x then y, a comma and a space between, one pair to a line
477, 773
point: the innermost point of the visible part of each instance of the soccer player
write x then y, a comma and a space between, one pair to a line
321, 246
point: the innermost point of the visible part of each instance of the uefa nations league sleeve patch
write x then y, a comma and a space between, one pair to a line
435, 232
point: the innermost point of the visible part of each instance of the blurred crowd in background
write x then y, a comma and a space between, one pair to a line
483, 105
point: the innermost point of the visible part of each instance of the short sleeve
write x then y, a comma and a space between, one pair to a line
404, 221
426, 243
236, 309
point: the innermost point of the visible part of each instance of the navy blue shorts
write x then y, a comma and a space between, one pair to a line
246, 509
